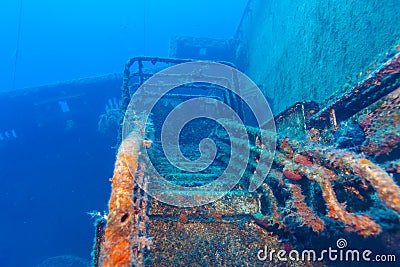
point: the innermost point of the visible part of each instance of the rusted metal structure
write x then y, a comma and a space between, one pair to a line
344, 151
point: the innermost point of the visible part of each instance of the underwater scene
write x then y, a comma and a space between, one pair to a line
200, 133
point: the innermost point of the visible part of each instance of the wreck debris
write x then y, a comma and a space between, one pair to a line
332, 119
303, 161
380, 180
316, 155
382, 140
100, 225
323, 165
362, 224
309, 181
376, 84
274, 217
305, 213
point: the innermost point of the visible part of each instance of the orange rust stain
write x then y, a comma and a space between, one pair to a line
217, 216
292, 175
300, 159
119, 254
183, 218
286, 147
365, 161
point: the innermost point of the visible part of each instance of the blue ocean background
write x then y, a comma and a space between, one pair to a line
54, 166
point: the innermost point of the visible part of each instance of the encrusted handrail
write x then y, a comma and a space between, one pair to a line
125, 233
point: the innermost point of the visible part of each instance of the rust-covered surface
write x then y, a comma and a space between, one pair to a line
211, 244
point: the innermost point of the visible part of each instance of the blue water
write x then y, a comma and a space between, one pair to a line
65, 40
54, 164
